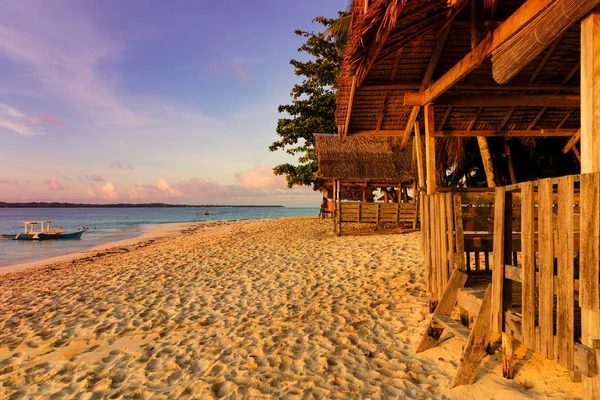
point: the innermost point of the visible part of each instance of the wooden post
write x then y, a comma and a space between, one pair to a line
546, 267
499, 251
419, 151
430, 148
590, 92
507, 292
590, 162
509, 162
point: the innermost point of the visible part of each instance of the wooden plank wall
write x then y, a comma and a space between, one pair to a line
557, 269
546, 261
438, 241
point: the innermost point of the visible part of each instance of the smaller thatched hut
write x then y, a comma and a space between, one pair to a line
352, 168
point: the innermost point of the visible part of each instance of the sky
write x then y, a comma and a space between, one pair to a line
148, 100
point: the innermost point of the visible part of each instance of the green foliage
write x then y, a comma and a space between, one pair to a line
312, 109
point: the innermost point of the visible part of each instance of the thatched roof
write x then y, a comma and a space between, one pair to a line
363, 159
387, 26
405, 50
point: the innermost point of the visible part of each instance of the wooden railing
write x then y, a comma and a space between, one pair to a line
556, 272
376, 213
541, 240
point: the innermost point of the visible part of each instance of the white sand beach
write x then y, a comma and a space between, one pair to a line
247, 309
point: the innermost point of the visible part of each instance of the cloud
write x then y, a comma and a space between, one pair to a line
8, 182
118, 165
94, 178
261, 177
39, 40
239, 71
90, 194
54, 184
161, 189
23, 124
109, 192
50, 119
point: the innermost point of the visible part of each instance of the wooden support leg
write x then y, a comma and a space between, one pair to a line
464, 316
475, 348
432, 335
507, 356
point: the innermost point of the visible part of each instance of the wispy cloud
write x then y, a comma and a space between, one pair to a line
41, 40
94, 178
119, 165
239, 71
54, 184
23, 124
9, 182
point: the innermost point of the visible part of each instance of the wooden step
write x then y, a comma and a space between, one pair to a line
455, 327
470, 300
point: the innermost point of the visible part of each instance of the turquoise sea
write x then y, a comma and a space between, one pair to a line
112, 224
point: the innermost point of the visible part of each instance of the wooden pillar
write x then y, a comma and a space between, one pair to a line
590, 92
590, 162
430, 148
419, 151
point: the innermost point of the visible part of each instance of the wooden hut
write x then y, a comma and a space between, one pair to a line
522, 260
352, 169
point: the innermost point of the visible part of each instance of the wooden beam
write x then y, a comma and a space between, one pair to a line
537, 118
396, 64
507, 133
472, 133
565, 119
572, 73
525, 87
506, 118
430, 153
572, 142
516, 22
493, 100
445, 118
349, 111
382, 111
433, 61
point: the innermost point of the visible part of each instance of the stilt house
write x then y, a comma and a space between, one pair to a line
521, 259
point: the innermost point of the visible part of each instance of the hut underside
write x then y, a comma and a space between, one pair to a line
521, 261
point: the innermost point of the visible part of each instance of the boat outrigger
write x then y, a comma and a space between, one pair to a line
46, 232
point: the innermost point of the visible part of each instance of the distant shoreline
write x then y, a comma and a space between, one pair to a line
125, 205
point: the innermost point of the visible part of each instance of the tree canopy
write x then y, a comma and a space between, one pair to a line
312, 109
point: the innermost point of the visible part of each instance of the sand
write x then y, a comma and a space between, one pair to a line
251, 309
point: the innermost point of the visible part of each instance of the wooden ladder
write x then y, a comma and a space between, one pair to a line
477, 339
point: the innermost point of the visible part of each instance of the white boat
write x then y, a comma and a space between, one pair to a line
46, 232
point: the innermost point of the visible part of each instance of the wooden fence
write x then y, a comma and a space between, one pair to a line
400, 214
541, 241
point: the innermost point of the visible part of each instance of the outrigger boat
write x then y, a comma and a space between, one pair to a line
46, 232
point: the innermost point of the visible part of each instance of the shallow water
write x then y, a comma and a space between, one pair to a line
110, 225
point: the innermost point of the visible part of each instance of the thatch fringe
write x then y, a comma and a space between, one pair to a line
527, 44
363, 158
391, 24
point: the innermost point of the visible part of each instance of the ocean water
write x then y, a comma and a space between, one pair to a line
110, 225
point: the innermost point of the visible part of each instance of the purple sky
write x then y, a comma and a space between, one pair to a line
147, 100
